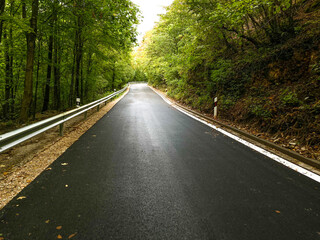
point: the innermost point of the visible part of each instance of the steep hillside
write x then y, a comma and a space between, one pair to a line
265, 68
282, 95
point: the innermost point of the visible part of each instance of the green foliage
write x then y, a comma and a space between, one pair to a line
225, 79
289, 98
259, 111
243, 52
207, 48
91, 45
139, 76
315, 68
226, 102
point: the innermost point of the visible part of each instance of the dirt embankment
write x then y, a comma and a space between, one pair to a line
280, 89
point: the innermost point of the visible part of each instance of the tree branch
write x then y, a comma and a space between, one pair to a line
249, 39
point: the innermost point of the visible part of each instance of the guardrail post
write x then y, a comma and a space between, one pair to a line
61, 129
98, 108
85, 115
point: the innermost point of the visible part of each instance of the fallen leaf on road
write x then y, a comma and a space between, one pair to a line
47, 221
22, 197
67, 186
49, 168
64, 164
94, 135
59, 227
59, 236
277, 211
72, 235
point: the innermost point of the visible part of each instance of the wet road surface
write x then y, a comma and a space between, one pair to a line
147, 171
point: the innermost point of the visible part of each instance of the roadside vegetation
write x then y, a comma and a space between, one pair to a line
261, 58
54, 51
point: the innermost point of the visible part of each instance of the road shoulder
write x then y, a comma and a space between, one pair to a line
31, 158
291, 162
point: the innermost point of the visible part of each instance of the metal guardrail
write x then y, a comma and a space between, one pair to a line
264, 142
137, 82
11, 139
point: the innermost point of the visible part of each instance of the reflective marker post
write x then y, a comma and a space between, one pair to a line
215, 107
78, 102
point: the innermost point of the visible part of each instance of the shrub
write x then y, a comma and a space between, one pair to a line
259, 111
289, 98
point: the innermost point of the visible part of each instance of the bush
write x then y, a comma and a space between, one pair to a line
225, 103
289, 98
259, 111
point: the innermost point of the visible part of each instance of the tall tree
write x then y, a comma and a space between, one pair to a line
2, 6
49, 71
96, 30
31, 42
56, 69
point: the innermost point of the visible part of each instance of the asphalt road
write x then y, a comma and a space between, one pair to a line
147, 171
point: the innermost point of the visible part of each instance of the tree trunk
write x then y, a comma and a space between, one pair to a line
56, 71
47, 91
71, 100
15, 88
7, 77
12, 101
37, 82
291, 13
113, 75
28, 81
228, 44
79, 45
249, 39
88, 75
81, 80
8, 107
2, 6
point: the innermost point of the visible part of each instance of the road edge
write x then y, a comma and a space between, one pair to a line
304, 168
16, 185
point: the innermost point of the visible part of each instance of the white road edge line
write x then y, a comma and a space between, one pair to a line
274, 157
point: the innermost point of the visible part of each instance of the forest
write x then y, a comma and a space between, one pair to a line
54, 51
259, 57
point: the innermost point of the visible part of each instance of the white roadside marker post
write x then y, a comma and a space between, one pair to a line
78, 102
215, 107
